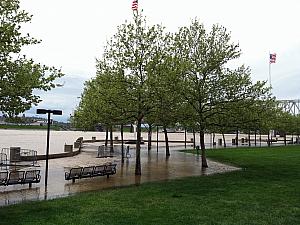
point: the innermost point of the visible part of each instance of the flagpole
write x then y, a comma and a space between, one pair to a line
270, 75
270, 70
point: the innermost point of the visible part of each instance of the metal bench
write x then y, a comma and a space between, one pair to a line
15, 177
87, 171
110, 169
32, 176
3, 177
99, 170
75, 173
21, 177
90, 171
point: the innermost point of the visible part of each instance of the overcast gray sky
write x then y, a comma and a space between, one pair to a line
74, 32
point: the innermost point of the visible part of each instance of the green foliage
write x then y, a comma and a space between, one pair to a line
146, 74
133, 50
296, 124
164, 70
102, 101
208, 85
19, 76
123, 88
209, 88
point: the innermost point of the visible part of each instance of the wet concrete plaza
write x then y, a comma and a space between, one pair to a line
155, 167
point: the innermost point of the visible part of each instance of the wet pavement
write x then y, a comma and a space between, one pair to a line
155, 167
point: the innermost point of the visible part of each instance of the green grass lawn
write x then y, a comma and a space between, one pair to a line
265, 191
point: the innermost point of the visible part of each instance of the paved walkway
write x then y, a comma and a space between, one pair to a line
155, 167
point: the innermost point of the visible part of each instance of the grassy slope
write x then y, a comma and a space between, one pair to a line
267, 191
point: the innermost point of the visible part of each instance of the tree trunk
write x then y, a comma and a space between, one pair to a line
194, 141
122, 141
199, 141
260, 138
202, 145
156, 138
269, 144
249, 136
237, 137
138, 169
150, 137
214, 137
106, 136
284, 138
184, 138
224, 139
131, 128
255, 137
271, 139
167, 142
111, 139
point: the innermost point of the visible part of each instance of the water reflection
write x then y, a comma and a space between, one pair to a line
9, 197
137, 180
46, 193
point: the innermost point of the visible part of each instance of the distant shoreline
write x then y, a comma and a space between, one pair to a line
27, 127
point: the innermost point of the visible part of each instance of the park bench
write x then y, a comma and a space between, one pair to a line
20, 177
99, 170
75, 173
15, 177
90, 171
32, 176
3, 177
110, 169
87, 171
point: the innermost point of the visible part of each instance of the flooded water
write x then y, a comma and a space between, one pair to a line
36, 139
155, 167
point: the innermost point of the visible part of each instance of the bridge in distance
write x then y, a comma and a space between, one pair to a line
290, 106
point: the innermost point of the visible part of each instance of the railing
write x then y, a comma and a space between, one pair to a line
16, 154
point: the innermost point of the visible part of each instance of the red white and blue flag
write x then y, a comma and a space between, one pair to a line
273, 58
135, 5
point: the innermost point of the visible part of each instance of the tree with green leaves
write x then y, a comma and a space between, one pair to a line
284, 124
19, 76
297, 127
163, 71
207, 84
132, 50
102, 101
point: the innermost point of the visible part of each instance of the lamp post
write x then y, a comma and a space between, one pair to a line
54, 112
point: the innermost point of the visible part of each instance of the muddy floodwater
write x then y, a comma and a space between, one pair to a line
36, 139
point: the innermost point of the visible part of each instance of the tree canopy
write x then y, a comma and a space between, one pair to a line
183, 78
207, 84
19, 76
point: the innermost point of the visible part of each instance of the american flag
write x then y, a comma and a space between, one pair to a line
273, 58
134, 5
